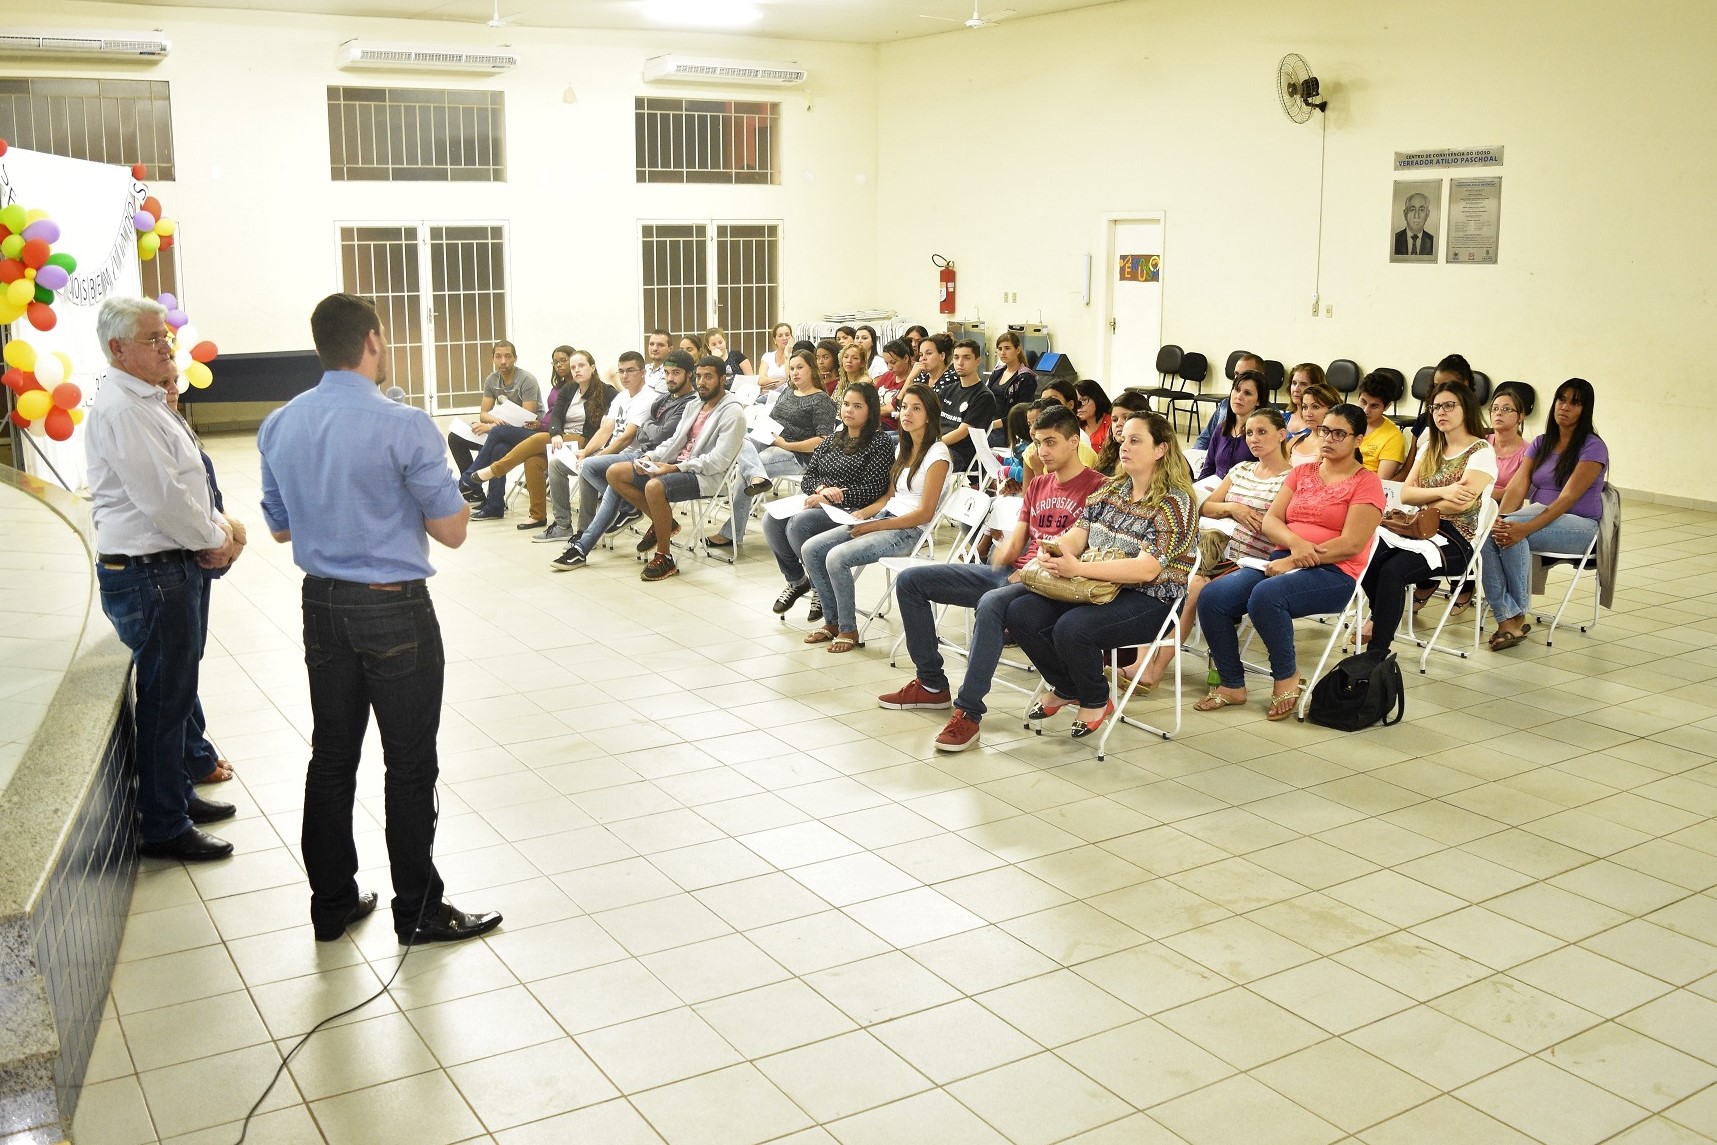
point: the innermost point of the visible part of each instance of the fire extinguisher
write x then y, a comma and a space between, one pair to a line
946, 305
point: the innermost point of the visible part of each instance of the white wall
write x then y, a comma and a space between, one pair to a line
260, 212
1003, 149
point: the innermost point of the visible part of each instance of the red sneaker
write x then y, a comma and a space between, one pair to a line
915, 695
960, 734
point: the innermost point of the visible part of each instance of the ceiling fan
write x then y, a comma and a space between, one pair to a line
496, 20
976, 20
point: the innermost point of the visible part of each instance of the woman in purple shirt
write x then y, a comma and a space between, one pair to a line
1228, 446
1551, 505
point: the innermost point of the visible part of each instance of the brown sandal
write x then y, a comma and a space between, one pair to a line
1216, 701
845, 643
223, 771
1276, 711
821, 635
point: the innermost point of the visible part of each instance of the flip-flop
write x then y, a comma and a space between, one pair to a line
1293, 701
1503, 641
223, 771
844, 644
820, 635
1216, 701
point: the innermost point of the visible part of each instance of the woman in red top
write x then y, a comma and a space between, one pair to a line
889, 383
1323, 523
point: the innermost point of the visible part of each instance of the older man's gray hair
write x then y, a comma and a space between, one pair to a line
120, 318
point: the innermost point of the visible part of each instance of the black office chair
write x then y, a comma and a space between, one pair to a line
1275, 374
1233, 357
1481, 386
1194, 368
1401, 382
1344, 375
1168, 375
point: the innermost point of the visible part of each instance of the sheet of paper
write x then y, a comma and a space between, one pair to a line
567, 455
783, 507
461, 429
1252, 563
511, 413
763, 429
839, 515
744, 388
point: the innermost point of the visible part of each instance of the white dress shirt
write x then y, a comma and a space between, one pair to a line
146, 475
656, 378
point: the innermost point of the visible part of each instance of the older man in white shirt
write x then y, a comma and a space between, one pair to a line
155, 523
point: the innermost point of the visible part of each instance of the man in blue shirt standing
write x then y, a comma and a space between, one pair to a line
358, 485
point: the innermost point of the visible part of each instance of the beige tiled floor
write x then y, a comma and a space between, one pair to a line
745, 905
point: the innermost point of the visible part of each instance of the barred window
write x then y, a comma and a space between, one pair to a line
118, 121
416, 134
160, 275
735, 266
707, 141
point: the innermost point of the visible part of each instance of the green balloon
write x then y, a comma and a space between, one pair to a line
63, 260
43, 294
13, 218
12, 246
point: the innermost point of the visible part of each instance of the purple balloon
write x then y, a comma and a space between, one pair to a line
45, 229
143, 221
176, 318
52, 277
168, 300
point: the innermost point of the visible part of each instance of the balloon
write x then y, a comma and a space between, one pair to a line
21, 292
34, 215
13, 218
44, 295
184, 383
47, 230
13, 380
19, 420
11, 270
165, 227
30, 383
2, 147
36, 253
167, 300
12, 246
65, 360
9, 313
147, 245
139, 171
186, 337
41, 316
76, 414
175, 317
153, 206
59, 424
35, 404
67, 395
205, 352
49, 370
199, 375
167, 242
143, 221
64, 261
52, 277
20, 354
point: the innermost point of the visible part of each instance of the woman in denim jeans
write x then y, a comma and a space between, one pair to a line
1560, 485
888, 527
1322, 522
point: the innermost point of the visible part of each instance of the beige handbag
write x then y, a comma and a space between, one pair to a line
1073, 589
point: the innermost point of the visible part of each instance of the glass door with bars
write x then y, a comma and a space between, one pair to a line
441, 289
702, 274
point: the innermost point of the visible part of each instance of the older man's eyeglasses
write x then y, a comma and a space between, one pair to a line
154, 343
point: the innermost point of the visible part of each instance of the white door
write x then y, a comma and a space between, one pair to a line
1134, 293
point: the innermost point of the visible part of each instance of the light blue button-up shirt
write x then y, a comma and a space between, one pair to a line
353, 477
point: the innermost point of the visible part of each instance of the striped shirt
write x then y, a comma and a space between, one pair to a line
1164, 529
1247, 487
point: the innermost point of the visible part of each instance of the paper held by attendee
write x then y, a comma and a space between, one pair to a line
567, 455
745, 388
784, 507
511, 413
761, 428
461, 429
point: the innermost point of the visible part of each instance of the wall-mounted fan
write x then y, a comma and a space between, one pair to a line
1297, 88
975, 20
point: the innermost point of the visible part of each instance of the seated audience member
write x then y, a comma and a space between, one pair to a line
1553, 504
854, 367
807, 415
1316, 400
1453, 368
1011, 382
612, 432
715, 338
774, 375
890, 382
845, 336
1087, 456
506, 381
1062, 391
1146, 516
1510, 406
934, 355
1321, 523
656, 345
828, 359
1244, 496
1092, 409
690, 464
1384, 448
1455, 469
657, 419
1304, 375
693, 344
1126, 404
912, 337
579, 399
1246, 361
1053, 502
887, 527
865, 336
1229, 447
968, 407
849, 467
1018, 424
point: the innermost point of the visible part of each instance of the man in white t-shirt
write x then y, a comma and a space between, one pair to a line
619, 426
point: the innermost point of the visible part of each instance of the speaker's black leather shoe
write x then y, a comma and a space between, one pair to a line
190, 845
451, 925
209, 810
366, 905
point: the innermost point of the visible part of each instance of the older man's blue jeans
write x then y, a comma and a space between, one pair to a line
984, 588
1272, 603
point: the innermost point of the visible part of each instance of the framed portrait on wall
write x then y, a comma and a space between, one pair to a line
1415, 220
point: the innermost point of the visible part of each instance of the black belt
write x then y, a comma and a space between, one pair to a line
391, 586
165, 557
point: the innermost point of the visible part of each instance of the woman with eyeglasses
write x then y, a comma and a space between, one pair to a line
1316, 400
1552, 504
1510, 406
1455, 468
1322, 523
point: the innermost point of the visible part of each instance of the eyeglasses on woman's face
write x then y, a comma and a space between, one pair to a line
1445, 407
1336, 436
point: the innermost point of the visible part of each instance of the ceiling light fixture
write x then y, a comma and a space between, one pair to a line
703, 13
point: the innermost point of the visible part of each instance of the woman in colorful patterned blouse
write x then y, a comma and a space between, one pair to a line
1146, 515
1322, 524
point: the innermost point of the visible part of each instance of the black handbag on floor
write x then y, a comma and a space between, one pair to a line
1358, 692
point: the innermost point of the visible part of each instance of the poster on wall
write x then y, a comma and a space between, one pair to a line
1475, 219
1416, 208
1141, 268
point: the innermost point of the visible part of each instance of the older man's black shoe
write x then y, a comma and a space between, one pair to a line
365, 907
449, 924
209, 810
189, 845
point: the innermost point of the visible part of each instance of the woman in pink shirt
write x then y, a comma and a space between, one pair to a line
1322, 523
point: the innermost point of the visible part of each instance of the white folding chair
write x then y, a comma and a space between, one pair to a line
706, 517
971, 512
924, 547
1581, 564
1351, 614
1453, 584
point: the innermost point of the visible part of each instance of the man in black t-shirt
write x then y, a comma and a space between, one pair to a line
968, 406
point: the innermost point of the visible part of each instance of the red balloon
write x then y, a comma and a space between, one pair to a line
152, 205
204, 352
36, 253
11, 270
67, 395
41, 315
58, 424
20, 420
29, 383
2, 147
167, 241
13, 380
139, 171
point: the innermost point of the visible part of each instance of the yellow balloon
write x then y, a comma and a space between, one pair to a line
21, 354
35, 404
65, 360
34, 216
165, 227
8, 313
21, 292
199, 375
76, 413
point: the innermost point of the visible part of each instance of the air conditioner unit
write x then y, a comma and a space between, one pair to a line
747, 73
118, 47
374, 56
